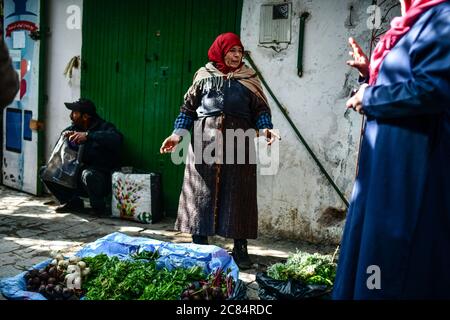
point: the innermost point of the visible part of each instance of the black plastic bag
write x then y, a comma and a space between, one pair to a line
239, 292
271, 289
64, 164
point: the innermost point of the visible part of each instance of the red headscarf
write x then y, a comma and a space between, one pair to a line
399, 27
220, 48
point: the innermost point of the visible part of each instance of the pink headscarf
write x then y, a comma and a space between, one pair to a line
399, 27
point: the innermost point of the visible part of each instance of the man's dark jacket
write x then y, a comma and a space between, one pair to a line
103, 146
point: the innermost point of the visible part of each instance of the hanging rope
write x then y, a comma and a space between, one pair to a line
74, 63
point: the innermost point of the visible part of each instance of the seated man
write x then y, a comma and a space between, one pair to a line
101, 155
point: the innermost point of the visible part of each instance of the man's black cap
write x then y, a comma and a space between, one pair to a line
82, 106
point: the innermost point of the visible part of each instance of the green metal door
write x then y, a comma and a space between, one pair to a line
139, 58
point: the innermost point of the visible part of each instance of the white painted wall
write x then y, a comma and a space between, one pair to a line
63, 44
291, 202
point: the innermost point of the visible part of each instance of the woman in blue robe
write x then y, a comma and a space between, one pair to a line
396, 242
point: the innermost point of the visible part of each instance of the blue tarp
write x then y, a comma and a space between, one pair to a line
120, 245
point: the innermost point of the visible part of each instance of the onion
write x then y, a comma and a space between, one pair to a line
82, 265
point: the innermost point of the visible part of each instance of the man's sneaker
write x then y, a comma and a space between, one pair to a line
74, 205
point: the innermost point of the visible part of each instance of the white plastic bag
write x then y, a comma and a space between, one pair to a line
64, 164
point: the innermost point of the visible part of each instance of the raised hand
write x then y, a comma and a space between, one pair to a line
271, 136
360, 60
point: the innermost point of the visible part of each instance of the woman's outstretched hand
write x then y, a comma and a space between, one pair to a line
271, 136
170, 143
360, 60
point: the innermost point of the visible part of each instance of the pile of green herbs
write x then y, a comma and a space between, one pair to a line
305, 267
136, 279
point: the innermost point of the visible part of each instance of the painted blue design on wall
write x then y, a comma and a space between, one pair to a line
14, 130
20, 151
21, 9
27, 133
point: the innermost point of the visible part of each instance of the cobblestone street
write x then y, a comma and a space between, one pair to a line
30, 230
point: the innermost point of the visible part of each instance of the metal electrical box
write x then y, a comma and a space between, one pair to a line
275, 24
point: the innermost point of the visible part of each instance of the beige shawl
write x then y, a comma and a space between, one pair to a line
209, 77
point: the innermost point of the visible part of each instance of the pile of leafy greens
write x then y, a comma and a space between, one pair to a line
136, 279
305, 267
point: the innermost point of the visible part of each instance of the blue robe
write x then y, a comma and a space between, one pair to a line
399, 217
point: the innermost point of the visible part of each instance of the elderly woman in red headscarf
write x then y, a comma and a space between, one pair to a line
220, 197
397, 236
